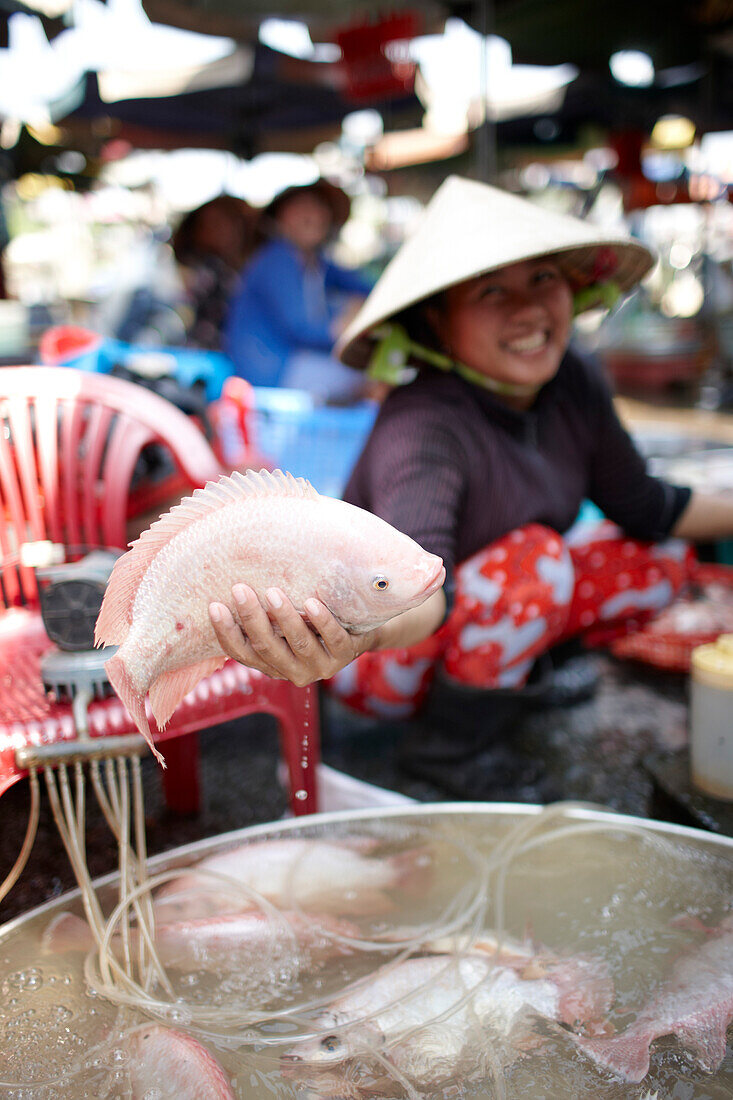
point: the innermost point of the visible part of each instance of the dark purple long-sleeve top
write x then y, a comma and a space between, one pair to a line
455, 468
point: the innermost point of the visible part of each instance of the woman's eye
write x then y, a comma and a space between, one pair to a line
543, 276
380, 583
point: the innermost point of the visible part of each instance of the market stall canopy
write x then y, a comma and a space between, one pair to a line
689, 44
279, 101
226, 88
673, 32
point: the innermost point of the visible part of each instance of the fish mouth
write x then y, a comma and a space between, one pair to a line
435, 581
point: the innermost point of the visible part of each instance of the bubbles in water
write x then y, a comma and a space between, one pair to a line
22, 980
604, 906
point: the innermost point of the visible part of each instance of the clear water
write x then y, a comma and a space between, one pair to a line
610, 894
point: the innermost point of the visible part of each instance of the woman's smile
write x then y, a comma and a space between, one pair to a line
511, 325
528, 345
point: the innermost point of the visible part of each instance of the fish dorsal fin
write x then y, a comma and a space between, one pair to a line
115, 616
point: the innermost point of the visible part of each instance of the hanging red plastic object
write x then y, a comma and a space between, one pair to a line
232, 417
370, 75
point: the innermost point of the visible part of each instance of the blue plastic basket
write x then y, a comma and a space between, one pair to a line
187, 365
320, 443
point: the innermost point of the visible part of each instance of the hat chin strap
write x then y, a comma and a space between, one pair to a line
390, 361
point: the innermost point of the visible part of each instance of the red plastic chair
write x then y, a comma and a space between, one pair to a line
69, 442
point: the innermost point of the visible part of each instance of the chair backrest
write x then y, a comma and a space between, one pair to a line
69, 443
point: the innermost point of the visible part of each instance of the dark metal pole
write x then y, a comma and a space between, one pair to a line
485, 159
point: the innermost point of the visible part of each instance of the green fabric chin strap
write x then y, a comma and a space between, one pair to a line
394, 349
390, 360
599, 296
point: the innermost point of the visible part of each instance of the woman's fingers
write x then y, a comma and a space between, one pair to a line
303, 643
259, 631
278, 641
337, 641
234, 643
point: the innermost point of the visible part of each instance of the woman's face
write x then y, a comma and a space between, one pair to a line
512, 325
305, 221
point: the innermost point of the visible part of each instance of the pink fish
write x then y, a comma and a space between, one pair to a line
422, 1015
265, 530
583, 983
234, 940
695, 1004
328, 876
170, 1065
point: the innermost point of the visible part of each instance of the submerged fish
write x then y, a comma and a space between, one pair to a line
695, 1004
165, 1064
236, 940
330, 876
421, 1015
264, 530
583, 982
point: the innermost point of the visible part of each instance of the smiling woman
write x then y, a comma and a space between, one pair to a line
484, 458
511, 326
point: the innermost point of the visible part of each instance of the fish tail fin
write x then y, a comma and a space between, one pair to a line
413, 870
626, 1055
67, 933
167, 691
132, 697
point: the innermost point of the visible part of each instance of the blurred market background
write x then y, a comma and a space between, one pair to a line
118, 118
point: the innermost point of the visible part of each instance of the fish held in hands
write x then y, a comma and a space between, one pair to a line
266, 530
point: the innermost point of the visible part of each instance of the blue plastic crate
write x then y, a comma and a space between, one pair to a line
320, 443
186, 365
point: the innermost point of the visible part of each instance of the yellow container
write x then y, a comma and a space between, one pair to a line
711, 718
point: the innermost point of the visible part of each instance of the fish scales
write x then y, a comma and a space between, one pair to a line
695, 1004
422, 1014
339, 876
169, 1065
267, 531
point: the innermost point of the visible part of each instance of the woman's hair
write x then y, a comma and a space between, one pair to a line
185, 242
417, 324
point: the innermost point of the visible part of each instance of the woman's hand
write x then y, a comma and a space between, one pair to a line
305, 653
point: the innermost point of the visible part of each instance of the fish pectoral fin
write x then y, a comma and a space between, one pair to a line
67, 932
167, 691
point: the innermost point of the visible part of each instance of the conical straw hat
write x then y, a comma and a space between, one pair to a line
469, 228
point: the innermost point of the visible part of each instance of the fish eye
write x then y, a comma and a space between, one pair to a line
380, 583
331, 1043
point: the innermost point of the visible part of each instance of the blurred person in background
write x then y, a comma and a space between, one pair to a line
292, 302
211, 246
485, 457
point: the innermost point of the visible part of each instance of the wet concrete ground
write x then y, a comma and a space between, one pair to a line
592, 751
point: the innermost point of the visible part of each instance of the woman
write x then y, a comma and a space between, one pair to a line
211, 245
485, 458
292, 302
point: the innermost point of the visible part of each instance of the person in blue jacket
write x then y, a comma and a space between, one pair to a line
291, 302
